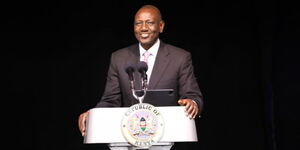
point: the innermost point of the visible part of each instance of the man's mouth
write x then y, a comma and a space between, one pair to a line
144, 35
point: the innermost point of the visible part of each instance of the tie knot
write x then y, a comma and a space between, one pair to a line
146, 56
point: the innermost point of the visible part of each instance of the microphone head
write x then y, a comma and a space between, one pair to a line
142, 67
129, 69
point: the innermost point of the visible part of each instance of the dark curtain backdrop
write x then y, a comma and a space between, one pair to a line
56, 56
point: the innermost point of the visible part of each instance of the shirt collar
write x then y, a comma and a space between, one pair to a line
153, 50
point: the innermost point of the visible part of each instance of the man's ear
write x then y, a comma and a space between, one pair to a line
161, 26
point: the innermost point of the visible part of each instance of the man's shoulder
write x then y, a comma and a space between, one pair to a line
126, 50
175, 49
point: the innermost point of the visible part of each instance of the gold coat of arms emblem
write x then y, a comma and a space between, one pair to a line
142, 125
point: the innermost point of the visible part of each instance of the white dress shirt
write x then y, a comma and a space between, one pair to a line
153, 50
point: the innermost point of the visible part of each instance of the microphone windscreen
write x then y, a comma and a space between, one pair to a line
142, 66
129, 68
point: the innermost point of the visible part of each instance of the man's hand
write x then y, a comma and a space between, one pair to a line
191, 107
82, 122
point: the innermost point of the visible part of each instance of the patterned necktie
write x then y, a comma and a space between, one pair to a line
146, 56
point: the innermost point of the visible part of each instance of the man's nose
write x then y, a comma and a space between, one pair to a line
144, 27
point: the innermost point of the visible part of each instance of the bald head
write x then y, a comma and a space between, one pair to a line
150, 8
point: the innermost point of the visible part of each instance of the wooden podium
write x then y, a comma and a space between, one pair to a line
104, 126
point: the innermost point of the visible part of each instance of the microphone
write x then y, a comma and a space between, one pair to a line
129, 69
142, 68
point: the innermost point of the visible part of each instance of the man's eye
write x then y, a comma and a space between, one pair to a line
150, 23
138, 23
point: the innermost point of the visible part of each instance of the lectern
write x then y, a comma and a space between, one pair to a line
104, 126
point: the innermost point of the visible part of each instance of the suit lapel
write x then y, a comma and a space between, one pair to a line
161, 62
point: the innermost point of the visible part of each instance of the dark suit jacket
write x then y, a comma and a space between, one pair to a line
173, 69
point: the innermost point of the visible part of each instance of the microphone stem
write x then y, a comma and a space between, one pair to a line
145, 88
133, 89
145, 85
132, 85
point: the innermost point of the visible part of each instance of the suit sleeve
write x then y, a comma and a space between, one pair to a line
188, 85
112, 94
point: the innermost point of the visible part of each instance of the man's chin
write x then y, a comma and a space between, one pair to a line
145, 40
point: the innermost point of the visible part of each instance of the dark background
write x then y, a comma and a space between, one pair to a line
56, 57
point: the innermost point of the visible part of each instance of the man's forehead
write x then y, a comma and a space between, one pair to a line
147, 13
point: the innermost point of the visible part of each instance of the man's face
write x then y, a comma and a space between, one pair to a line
147, 26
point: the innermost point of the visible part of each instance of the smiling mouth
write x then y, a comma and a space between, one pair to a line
144, 35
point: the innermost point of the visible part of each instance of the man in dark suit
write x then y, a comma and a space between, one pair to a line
170, 67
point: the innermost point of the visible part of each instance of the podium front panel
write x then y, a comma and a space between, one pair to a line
104, 125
